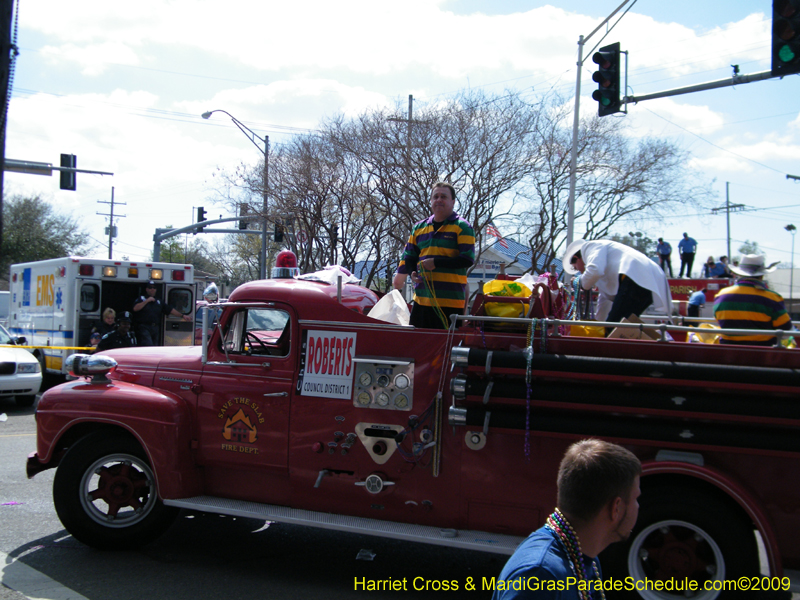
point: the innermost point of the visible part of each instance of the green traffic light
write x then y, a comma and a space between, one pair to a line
605, 101
786, 54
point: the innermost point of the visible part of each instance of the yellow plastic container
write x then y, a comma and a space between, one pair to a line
506, 289
587, 330
711, 337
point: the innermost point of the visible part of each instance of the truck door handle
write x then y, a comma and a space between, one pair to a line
276, 394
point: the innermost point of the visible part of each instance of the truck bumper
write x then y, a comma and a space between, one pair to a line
35, 466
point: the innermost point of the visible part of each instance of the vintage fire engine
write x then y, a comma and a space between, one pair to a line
301, 408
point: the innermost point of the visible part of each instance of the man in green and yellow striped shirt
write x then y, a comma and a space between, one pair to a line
437, 255
750, 304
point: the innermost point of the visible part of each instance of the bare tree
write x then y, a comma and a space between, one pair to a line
353, 191
619, 181
480, 144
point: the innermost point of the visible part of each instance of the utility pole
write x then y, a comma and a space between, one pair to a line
409, 122
8, 54
728, 208
408, 147
112, 230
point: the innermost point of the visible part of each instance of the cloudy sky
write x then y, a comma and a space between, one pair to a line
123, 86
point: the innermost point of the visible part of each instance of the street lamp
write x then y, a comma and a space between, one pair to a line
791, 229
265, 151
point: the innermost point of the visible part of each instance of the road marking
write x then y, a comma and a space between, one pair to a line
32, 583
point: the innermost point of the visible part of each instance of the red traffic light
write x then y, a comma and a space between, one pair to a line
604, 59
608, 92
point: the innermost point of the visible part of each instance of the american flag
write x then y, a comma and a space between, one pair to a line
493, 231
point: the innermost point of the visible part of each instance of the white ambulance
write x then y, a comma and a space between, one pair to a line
55, 303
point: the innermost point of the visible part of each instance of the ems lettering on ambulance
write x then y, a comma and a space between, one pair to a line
328, 364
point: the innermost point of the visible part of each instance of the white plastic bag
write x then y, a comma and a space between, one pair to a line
392, 308
330, 274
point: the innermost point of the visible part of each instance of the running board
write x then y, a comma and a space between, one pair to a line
452, 538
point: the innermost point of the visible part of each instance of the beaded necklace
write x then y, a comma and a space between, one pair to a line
558, 523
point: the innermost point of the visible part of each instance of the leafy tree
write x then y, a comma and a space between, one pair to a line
235, 258
34, 230
195, 252
749, 247
638, 241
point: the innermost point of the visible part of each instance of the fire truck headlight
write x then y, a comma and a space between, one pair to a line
85, 364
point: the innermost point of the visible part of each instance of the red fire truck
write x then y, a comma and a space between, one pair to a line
301, 408
682, 289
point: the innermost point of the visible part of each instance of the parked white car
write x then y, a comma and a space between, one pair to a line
20, 372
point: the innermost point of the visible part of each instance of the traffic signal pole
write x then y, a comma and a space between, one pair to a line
711, 85
163, 234
573, 163
785, 61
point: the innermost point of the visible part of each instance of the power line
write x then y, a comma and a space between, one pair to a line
710, 143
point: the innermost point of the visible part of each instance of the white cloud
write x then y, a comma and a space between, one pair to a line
304, 60
666, 116
660, 51
95, 58
299, 103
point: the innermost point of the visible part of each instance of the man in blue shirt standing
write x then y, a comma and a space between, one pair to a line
687, 248
664, 250
597, 505
696, 301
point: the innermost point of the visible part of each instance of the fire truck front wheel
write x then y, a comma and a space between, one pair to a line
683, 536
105, 495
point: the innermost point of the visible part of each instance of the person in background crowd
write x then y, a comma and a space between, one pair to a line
94, 339
437, 255
628, 281
726, 266
597, 505
696, 301
211, 293
123, 337
664, 251
687, 248
750, 304
714, 268
148, 311
108, 323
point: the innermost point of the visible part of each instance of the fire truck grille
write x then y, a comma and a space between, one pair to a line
8, 368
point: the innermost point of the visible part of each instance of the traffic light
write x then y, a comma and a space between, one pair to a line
278, 231
243, 213
785, 37
201, 216
607, 93
68, 181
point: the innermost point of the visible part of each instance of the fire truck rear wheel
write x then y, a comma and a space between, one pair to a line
682, 535
104, 493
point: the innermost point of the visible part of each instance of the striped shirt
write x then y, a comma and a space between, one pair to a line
452, 246
750, 304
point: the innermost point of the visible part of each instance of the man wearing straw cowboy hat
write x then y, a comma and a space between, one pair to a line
750, 304
628, 281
